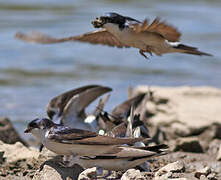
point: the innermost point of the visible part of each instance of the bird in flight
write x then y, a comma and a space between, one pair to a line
120, 31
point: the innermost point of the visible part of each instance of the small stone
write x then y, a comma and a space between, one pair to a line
214, 146
177, 166
188, 144
2, 159
205, 171
212, 176
203, 177
87, 174
132, 174
218, 157
53, 171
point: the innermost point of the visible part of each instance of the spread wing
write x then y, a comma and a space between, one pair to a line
96, 37
161, 27
60, 101
78, 136
79, 102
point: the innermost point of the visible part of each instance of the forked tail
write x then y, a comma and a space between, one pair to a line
189, 50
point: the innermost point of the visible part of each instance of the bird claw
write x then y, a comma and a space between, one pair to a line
142, 53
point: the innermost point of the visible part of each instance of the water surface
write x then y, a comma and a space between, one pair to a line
31, 74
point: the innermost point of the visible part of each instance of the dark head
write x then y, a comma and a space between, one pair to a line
110, 18
39, 124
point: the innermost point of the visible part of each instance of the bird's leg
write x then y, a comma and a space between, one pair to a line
99, 171
69, 161
149, 50
41, 147
142, 53
65, 161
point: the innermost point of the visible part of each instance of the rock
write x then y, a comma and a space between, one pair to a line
218, 157
17, 151
88, 174
200, 105
188, 144
203, 177
2, 159
180, 129
133, 174
8, 133
211, 132
177, 166
53, 171
168, 176
214, 146
212, 176
164, 176
205, 171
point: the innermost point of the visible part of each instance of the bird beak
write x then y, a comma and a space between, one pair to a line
28, 130
97, 23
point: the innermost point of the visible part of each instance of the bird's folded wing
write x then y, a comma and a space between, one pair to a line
96, 37
60, 101
77, 136
65, 134
167, 31
133, 153
118, 131
79, 102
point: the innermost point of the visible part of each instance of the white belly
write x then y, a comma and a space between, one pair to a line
110, 164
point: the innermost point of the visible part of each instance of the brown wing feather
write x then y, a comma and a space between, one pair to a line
95, 37
100, 37
78, 136
167, 31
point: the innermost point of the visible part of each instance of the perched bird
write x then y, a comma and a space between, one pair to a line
76, 142
131, 157
68, 108
115, 162
120, 31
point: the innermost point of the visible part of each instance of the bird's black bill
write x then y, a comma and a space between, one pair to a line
27, 130
99, 22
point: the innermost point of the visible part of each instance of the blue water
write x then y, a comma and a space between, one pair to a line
31, 74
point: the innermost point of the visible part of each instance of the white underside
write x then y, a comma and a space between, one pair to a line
109, 164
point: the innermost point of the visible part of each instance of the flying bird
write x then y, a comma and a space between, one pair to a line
121, 31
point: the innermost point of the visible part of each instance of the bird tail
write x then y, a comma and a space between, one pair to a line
188, 50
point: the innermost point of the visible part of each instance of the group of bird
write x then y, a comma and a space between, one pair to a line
112, 141
116, 140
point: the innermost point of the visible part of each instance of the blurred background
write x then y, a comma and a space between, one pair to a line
31, 74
